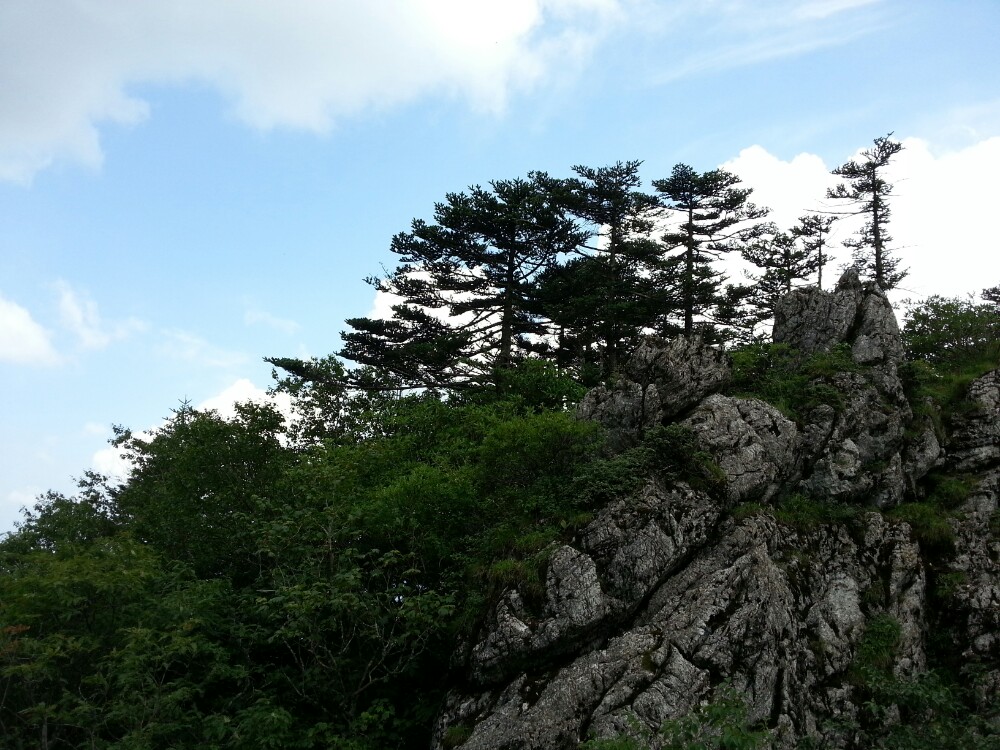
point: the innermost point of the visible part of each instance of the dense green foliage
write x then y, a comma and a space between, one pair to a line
258, 582
785, 379
241, 590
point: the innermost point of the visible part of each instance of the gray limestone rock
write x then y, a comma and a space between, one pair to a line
811, 320
854, 453
660, 381
753, 443
976, 439
664, 595
783, 625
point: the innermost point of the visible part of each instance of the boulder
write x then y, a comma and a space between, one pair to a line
857, 313
659, 382
751, 441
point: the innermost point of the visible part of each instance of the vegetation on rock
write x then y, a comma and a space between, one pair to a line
322, 582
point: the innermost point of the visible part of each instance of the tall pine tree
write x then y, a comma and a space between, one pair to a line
713, 218
867, 193
601, 300
813, 232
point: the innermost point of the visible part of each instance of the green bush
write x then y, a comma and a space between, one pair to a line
721, 724
929, 524
879, 645
782, 377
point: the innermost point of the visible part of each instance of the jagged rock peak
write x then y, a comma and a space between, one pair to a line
857, 313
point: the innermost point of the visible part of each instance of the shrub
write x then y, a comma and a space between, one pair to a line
929, 524
793, 384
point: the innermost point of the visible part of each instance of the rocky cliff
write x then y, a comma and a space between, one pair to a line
682, 586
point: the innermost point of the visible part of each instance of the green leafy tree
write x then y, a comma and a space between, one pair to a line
466, 285
329, 403
867, 192
713, 217
192, 488
953, 333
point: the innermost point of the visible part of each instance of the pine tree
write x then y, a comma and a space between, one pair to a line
868, 194
602, 300
813, 231
466, 284
784, 265
714, 219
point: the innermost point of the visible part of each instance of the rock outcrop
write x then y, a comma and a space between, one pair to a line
667, 593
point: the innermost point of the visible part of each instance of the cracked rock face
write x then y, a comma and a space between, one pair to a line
660, 381
752, 442
666, 594
855, 313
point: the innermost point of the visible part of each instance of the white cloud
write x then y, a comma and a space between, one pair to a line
261, 317
12, 503
189, 347
79, 315
22, 340
67, 68
111, 463
940, 204
241, 392
789, 188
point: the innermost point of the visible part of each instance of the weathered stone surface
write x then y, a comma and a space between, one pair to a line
660, 381
854, 453
859, 314
976, 438
974, 590
621, 556
781, 624
664, 595
753, 443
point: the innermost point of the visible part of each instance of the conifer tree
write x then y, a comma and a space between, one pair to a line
867, 192
465, 284
813, 231
784, 265
715, 217
602, 299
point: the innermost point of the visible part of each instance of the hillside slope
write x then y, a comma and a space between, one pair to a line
828, 554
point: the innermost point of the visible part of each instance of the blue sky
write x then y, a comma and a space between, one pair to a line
187, 186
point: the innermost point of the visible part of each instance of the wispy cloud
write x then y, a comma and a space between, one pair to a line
23, 341
189, 347
261, 317
728, 35
67, 68
79, 314
820, 9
